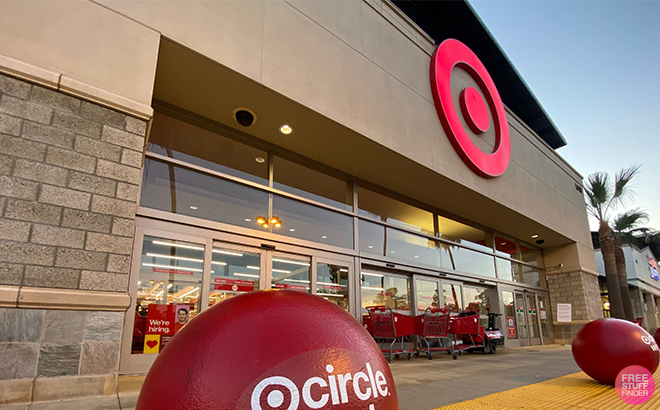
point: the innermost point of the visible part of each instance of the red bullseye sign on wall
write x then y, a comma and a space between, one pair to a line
452, 53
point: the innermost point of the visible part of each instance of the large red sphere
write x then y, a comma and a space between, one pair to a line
604, 347
266, 350
656, 336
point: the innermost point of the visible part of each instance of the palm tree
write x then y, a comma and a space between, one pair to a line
625, 225
602, 196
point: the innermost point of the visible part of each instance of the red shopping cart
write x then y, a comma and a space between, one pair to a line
386, 324
467, 332
434, 324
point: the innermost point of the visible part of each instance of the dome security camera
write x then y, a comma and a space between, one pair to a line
540, 241
244, 116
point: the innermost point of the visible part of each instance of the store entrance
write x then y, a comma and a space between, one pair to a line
176, 276
527, 319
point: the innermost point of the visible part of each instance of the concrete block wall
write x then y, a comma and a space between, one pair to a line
69, 177
581, 290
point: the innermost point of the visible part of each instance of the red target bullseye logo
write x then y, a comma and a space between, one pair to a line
452, 53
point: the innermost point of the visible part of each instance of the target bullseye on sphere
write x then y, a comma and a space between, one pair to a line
279, 349
604, 347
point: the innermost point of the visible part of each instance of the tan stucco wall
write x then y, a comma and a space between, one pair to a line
355, 62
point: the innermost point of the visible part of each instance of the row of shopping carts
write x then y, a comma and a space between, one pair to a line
439, 332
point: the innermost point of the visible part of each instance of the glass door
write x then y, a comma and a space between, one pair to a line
476, 299
533, 319
291, 272
427, 294
509, 322
546, 320
521, 319
452, 296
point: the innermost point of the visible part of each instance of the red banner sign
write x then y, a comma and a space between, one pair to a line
234, 285
173, 271
333, 287
286, 286
511, 325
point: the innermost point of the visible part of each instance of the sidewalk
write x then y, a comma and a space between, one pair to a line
421, 384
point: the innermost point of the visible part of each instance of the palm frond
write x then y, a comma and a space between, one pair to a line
598, 190
630, 220
622, 189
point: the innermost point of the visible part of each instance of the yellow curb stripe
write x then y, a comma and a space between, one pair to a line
574, 391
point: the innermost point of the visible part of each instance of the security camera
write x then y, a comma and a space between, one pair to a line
561, 265
244, 117
540, 241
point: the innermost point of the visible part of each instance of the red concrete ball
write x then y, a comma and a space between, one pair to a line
604, 347
263, 350
656, 336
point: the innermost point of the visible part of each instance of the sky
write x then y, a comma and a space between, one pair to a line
595, 68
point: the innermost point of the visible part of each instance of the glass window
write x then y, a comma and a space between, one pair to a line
457, 232
380, 289
290, 274
311, 223
427, 295
506, 247
169, 188
509, 315
372, 237
477, 299
168, 291
178, 139
332, 283
530, 256
467, 260
508, 270
532, 276
453, 299
394, 212
232, 273
412, 247
308, 183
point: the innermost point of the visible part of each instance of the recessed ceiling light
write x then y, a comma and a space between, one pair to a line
292, 230
248, 220
193, 207
324, 237
286, 129
371, 246
260, 160
416, 256
392, 251
503, 243
534, 236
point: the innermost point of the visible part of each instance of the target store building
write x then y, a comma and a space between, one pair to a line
157, 158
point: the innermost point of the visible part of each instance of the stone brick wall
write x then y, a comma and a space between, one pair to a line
69, 175
581, 290
55, 354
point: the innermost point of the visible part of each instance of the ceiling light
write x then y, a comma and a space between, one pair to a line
227, 252
280, 271
372, 274
218, 263
324, 237
169, 286
503, 243
416, 256
291, 262
158, 255
248, 220
197, 248
252, 267
260, 160
247, 275
188, 292
392, 251
343, 270
261, 220
371, 246
292, 230
181, 268
193, 207
286, 129
534, 236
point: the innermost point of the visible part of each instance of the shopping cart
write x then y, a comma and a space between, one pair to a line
467, 332
387, 325
434, 324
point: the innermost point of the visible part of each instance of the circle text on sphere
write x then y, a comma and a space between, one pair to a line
452, 53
